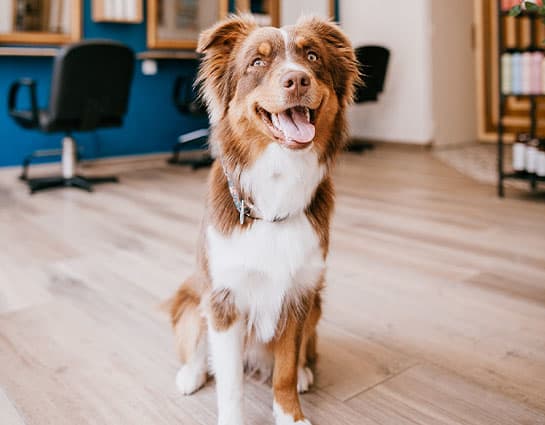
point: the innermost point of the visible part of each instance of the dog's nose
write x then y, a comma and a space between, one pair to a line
296, 82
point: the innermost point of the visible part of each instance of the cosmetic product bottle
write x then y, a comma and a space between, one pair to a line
531, 155
516, 73
537, 59
526, 71
519, 152
543, 76
540, 168
507, 79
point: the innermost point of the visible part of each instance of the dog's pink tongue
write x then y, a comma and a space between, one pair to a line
296, 126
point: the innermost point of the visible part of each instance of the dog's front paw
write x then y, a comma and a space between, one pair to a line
289, 421
305, 378
189, 379
282, 418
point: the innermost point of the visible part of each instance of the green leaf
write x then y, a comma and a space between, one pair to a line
531, 7
515, 10
541, 10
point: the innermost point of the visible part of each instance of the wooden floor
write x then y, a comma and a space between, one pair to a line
435, 308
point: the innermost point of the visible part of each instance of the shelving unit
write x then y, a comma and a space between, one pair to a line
532, 179
28, 51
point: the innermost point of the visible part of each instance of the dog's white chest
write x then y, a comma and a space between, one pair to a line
264, 264
282, 181
269, 261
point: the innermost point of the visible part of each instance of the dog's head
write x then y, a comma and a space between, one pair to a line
267, 85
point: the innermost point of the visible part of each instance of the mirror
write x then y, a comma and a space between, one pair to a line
40, 21
176, 24
266, 12
284, 12
291, 10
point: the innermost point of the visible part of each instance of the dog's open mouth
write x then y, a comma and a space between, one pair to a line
294, 126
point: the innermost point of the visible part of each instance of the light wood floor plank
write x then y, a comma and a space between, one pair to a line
428, 395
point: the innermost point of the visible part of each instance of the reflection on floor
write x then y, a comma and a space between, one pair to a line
434, 313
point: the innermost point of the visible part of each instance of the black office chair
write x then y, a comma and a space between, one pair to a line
188, 103
89, 90
373, 64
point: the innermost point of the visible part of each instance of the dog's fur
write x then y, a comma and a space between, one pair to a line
254, 300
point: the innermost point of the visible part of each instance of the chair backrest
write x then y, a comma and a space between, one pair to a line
373, 62
90, 85
185, 97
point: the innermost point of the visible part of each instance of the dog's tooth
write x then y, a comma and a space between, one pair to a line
307, 113
275, 120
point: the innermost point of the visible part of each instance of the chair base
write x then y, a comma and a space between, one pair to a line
78, 182
204, 162
360, 147
198, 137
69, 178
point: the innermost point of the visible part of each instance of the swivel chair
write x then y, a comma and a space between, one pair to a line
189, 104
373, 65
89, 90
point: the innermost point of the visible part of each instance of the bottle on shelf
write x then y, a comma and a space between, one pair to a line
519, 152
536, 73
531, 156
543, 75
540, 167
526, 72
516, 73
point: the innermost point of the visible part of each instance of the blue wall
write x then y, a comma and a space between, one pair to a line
151, 125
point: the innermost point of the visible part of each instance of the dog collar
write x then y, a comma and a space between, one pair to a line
245, 208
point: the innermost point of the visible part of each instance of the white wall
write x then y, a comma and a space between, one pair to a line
430, 89
290, 10
404, 110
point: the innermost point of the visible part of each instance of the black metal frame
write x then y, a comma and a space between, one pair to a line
360, 147
12, 101
533, 179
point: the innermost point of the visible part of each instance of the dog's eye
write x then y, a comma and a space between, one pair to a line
259, 62
311, 56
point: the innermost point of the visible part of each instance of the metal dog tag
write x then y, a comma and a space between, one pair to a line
241, 212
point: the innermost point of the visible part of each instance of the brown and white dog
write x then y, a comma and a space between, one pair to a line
277, 100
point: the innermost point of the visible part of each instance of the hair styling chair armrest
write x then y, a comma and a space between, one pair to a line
12, 98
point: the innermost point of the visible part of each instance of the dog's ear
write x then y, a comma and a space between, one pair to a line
225, 34
218, 44
343, 64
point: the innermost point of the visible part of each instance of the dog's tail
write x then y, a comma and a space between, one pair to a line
186, 317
